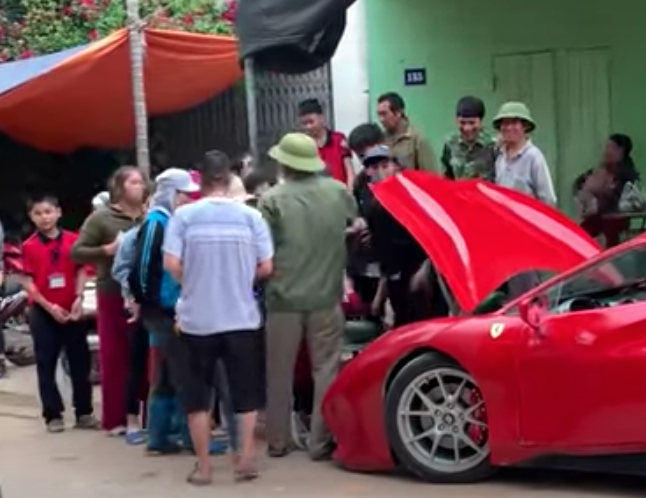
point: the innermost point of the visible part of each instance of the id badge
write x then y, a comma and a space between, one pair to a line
57, 281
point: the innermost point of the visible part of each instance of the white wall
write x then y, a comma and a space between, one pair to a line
350, 72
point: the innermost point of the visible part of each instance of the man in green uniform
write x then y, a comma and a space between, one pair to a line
470, 153
308, 215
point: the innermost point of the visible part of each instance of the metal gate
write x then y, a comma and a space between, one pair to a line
182, 138
277, 99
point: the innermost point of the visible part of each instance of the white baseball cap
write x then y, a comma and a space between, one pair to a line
177, 179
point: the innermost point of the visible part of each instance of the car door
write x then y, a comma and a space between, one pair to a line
580, 373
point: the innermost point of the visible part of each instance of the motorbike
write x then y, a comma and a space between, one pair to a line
19, 347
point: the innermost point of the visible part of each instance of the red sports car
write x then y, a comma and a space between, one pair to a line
552, 377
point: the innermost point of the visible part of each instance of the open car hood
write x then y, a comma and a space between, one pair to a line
478, 235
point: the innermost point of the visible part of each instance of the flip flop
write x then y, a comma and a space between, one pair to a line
195, 479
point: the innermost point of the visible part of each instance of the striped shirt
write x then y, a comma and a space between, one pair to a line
220, 243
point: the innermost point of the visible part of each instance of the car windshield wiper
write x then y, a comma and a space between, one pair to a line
633, 284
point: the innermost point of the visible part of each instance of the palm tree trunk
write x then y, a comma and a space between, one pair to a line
252, 110
137, 42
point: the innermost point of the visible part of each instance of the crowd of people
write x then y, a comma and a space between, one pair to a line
218, 278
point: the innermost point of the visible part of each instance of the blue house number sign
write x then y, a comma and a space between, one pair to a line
415, 76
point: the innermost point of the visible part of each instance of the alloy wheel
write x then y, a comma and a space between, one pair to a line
441, 418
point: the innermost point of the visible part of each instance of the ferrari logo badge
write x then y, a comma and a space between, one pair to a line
496, 330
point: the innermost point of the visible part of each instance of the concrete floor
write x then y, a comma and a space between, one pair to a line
90, 465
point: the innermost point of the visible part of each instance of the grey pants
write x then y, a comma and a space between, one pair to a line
323, 331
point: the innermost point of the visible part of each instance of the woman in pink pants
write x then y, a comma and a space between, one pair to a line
97, 244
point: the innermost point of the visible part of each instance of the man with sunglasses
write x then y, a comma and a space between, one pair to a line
55, 286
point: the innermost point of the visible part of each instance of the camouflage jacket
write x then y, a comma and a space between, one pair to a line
461, 160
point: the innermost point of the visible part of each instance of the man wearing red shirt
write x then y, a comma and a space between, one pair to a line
333, 146
55, 286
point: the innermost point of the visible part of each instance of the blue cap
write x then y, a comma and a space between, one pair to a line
375, 154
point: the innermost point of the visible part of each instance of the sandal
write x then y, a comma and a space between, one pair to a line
245, 474
197, 480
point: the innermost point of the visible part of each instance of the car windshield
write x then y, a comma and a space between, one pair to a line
617, 272
498, 298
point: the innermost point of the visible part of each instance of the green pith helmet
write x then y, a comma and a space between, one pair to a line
298, 152
514, 110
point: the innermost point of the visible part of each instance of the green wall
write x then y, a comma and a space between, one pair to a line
456, 40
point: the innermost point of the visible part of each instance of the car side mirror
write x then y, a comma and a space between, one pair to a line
531, 311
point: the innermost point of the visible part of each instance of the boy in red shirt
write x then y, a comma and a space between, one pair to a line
55, 286
333, 146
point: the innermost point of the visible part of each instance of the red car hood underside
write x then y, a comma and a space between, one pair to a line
479, 235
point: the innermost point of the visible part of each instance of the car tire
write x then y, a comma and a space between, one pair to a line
22, 357
19, 347
411, 454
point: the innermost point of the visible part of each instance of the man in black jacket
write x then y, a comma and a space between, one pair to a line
397, 252
363, 268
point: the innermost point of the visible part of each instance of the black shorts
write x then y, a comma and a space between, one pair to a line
238, 351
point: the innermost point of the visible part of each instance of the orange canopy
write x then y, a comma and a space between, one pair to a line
87, 99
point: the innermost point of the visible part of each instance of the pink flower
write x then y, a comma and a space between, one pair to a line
87, 3
93, 35
188, 20
229, 13
27, 54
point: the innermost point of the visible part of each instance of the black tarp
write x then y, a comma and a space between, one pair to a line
290, 36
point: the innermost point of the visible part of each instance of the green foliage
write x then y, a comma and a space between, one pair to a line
37, 27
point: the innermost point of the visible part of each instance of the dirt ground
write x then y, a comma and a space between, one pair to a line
91, 465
